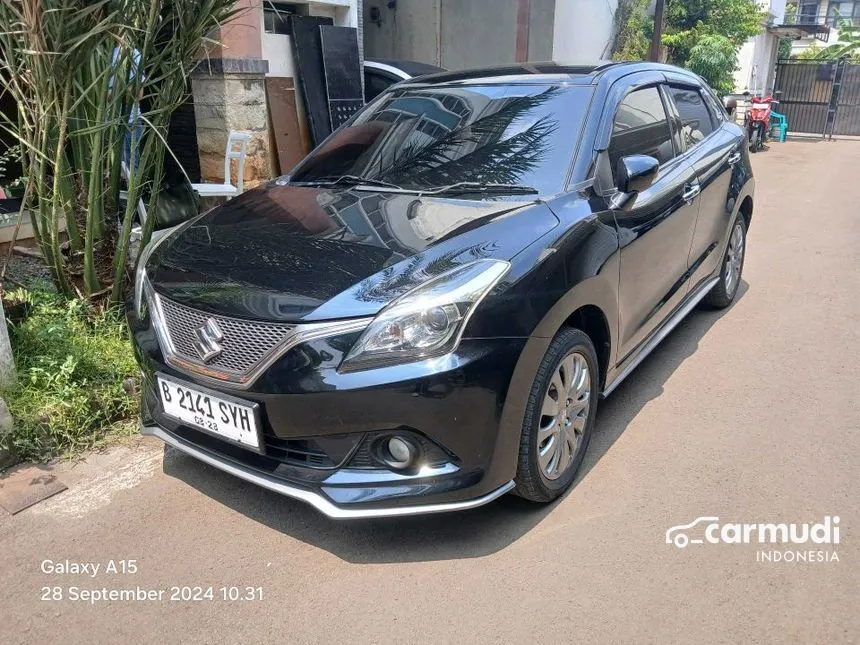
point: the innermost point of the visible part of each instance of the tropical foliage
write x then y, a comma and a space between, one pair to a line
701, 35
633, 30
706, 35
848, 45
714, 58
784, 48
90, 78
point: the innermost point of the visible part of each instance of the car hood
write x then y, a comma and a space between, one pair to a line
292, 253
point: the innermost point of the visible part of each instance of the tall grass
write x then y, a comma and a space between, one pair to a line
76, 376
77, 69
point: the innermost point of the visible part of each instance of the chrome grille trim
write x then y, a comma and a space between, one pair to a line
175, 352
245, 343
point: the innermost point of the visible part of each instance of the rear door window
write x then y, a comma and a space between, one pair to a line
697, 122
641, 127
717, 108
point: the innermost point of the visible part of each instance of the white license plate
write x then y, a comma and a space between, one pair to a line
216, 415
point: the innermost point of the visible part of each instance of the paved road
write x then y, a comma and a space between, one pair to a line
751, 415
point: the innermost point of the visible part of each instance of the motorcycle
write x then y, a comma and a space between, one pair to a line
757, 121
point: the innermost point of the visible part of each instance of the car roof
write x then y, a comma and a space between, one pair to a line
411, 67
545, 72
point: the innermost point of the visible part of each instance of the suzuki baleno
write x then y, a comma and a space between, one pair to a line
424, 314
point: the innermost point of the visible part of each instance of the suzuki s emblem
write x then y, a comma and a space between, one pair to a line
207, 338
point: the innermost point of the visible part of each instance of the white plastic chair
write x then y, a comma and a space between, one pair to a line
227, 189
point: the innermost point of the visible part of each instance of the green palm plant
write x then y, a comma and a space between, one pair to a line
79, 70
847, 47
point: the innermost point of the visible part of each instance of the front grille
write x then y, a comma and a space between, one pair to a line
301, 453
244, 346
298, 452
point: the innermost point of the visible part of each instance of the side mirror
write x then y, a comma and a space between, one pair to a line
636, 173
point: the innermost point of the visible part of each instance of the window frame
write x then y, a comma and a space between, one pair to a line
282, 10
717, 107
831, 18
804, 13
716, 121
657, 85
674, 120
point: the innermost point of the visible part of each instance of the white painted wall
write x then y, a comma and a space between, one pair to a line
278, 50
757, 60
583, 30
757, 57
776, 8
745, 65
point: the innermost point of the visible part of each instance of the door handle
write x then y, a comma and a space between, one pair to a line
691, 191
734, 158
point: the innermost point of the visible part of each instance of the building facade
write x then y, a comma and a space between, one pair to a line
458, 34
817, 21
229, 86
757, 57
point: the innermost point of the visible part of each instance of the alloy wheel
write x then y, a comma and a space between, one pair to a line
734, 258
564, 413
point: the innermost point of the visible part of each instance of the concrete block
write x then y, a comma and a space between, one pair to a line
245, 92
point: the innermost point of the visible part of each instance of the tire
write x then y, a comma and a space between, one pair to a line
755, 139
536, 480
724, 292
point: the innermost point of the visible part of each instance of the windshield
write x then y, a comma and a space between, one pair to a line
433, 137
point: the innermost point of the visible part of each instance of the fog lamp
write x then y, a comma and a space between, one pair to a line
402, 453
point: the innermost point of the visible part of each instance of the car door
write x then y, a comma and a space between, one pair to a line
656, 232
713, 149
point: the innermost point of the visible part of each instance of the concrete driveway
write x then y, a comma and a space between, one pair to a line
749, 415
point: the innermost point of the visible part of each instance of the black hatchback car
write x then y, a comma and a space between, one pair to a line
424, 314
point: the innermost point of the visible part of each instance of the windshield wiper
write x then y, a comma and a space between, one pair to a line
347, 180
478, 187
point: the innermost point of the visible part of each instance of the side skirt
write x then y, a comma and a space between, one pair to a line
667, 327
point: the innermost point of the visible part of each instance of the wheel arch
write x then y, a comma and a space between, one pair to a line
746, 209
593, 304
592, 320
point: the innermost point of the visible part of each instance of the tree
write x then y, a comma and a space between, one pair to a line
633, 29
712, 28
689, 20
784, 48
715, 58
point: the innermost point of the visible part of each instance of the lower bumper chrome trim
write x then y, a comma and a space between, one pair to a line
316, 500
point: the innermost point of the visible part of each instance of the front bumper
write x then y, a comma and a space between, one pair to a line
318, 426
317, 500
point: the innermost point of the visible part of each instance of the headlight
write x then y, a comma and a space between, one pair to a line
427, 321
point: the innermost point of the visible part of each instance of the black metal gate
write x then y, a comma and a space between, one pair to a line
820, 97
